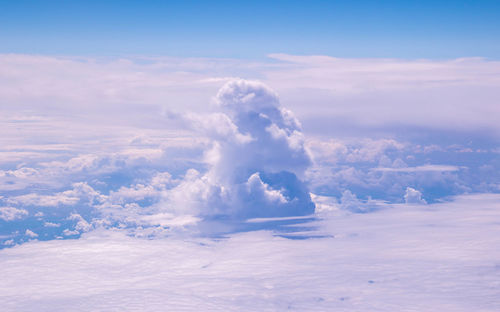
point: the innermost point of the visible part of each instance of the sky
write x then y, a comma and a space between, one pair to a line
277, 156
252, 29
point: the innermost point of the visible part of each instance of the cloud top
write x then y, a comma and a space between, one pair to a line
241, 95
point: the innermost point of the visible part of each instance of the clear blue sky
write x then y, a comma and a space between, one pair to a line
252, 29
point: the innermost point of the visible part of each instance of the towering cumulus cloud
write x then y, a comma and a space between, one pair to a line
256, 161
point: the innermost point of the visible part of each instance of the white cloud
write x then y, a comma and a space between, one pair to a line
244, 96
351, 203
354, 92
218, 125
438, 168
30, 233
81, 224
11, 213
446, 254
80, 191
258, 188
375, 93
387, 73
324, 204
68, 232
144, 158
132, 194
169, 220
246, 177
9, 242
255, 160
356, 150
51, 224
413, 196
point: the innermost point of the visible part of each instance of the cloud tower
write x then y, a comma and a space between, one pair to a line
256, 162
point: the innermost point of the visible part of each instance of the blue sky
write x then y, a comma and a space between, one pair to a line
252, 29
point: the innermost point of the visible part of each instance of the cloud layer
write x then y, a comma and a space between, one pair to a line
253, 166
402, 257
361, 93
150, 195
116, 143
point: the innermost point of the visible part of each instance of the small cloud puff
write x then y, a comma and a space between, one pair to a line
30, 233
350, 202
412, 196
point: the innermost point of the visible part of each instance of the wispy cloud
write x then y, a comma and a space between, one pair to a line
438, 168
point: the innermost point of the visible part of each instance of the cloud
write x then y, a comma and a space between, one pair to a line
383, 168
347, 76
372, 94
217, 125
350, 202
11, 213
356, 150
355, 92
51, 224
149, 163
30, 234
412, 196
240, 96
81, 192
361, 262
256, 161
81, 224
253, 167
112, 153
438, 168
